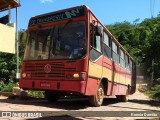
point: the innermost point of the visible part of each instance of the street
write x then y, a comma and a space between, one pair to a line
137, 102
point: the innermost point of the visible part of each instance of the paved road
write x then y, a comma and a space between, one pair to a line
137, 102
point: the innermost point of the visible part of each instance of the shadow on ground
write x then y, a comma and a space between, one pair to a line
147, 102
63, 117
66, 104
75, 103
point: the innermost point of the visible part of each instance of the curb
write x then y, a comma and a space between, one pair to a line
7, 94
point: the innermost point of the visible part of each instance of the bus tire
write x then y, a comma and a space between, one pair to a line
123, 98
97, 99
52, 96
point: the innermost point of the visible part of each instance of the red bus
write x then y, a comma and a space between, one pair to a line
71, 51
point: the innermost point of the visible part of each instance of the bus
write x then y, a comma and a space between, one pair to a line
71, 52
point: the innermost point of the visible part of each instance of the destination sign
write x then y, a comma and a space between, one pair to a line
77, 12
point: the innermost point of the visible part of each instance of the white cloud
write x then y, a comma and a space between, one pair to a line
44, 1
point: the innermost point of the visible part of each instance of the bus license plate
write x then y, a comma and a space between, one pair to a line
46, 85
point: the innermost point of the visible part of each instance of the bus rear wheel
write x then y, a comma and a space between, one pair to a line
97, 100
123, 98
52, 96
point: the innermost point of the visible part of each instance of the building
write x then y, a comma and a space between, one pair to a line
7, 29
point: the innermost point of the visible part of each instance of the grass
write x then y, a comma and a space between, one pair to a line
36, 94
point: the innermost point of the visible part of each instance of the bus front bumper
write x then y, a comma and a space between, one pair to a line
68, 86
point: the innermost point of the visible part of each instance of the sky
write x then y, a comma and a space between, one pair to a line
107, 11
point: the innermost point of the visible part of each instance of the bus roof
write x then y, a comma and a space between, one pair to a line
58, 15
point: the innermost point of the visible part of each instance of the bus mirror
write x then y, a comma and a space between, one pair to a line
98, 30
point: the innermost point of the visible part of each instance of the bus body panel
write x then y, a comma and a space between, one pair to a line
119, 79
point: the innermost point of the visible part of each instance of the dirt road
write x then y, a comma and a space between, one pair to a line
137, 102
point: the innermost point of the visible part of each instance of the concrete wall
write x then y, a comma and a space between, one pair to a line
7, 38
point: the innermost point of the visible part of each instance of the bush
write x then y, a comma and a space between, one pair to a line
1, 85
8, 86
157, 81
36, 94
154, 92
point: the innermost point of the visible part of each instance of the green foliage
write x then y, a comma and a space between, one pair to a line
141, 40
8, 86
36, 94
154, 92
157, 81
7, 66
1, 85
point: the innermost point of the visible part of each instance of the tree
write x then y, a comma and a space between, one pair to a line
141, 40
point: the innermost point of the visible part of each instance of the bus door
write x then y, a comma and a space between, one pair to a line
95, 62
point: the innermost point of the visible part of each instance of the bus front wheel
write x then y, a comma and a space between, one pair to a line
97, 100
52, 96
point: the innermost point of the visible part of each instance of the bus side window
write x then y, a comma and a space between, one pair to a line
122, 58
127, 62
130, 65
106, 45
95, 39
92, 35
115, 55
95, 43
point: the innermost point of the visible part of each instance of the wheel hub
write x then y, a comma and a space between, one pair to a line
100, 95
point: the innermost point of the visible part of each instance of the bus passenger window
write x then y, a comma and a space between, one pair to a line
106, 39
115, 52
98, 43
106, 45
127, 62
130, 65
122, 58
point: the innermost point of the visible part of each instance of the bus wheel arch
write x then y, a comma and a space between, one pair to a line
104, 81
124, 98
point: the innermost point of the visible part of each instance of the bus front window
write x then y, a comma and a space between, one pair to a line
59, 42
38, 45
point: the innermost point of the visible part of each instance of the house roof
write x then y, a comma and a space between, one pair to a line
4, 4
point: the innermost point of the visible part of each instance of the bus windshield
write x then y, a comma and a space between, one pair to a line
67, 41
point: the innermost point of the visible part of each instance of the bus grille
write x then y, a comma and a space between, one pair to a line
37, 70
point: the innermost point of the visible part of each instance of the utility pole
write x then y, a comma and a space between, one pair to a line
17, 45
152, 75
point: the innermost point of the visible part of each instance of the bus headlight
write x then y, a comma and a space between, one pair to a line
76, 75
24, 75
81, 76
